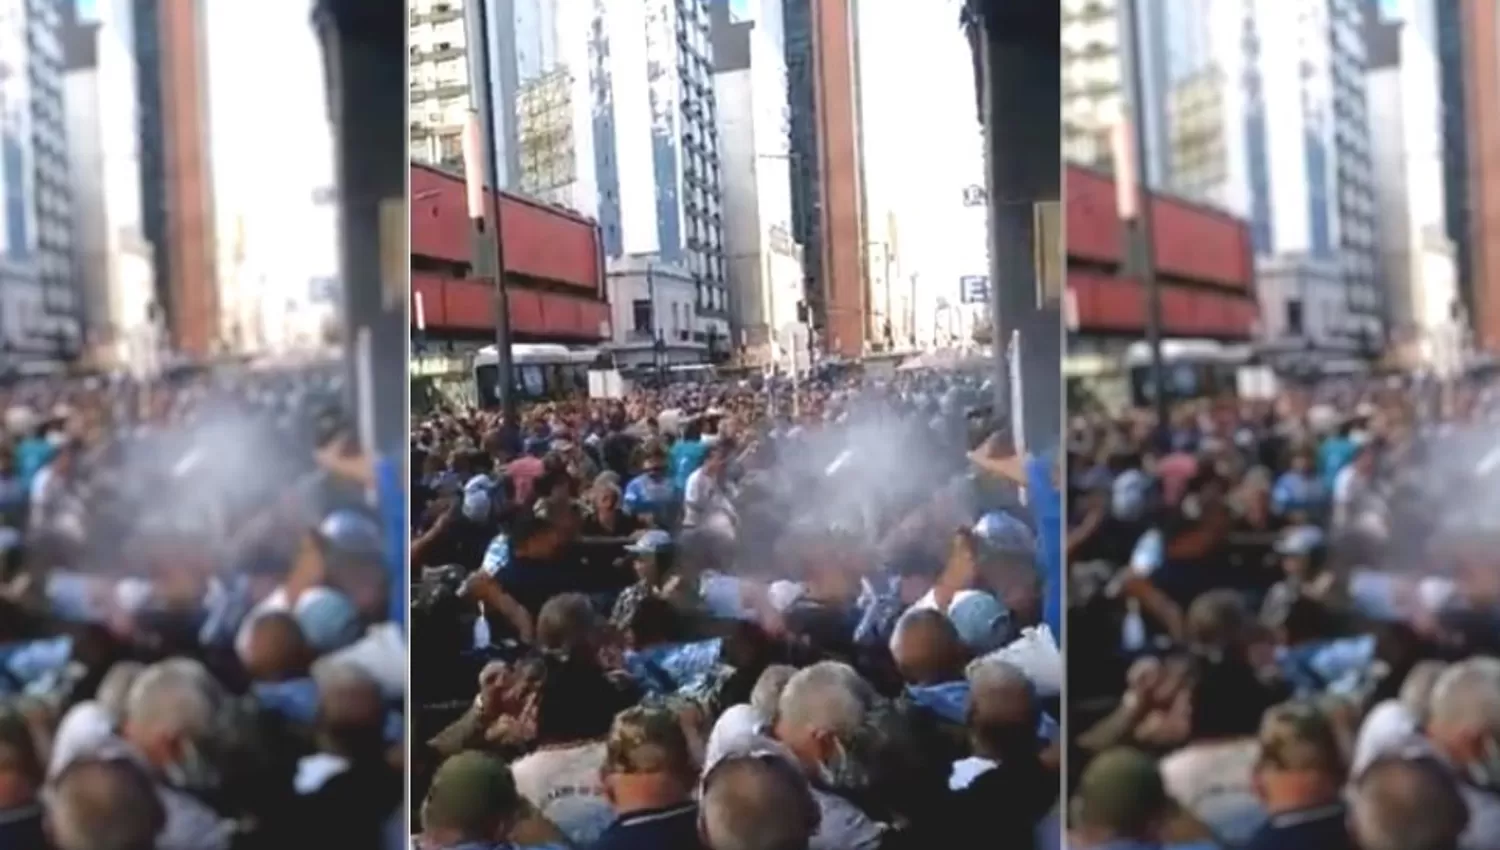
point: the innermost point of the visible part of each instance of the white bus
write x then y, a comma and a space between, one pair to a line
541, 371
1195, 368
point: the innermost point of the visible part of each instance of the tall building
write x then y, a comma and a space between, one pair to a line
1481, 98
823, 99
1256, 107
38, 304
765, 264
1456, 189
1407, 142
176, 179
606, 108
146, 31
112, 260
1093, 97
439, 80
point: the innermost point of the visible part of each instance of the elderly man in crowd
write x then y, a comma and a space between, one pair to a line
739, 613
180, 563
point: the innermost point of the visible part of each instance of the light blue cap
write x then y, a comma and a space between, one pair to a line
1004, 533
328, 619
1300, 541
981, 620
651, 543
353, 533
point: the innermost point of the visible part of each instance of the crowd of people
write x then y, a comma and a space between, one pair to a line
201, 645
1282, 622
730, 617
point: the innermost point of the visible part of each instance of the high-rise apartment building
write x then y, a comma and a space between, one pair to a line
606, 108
439, 80
1257, 107
1418, 262
146, 33
823, 100
1456, 191
112, 260
189, 237
765, 264
1481, 98
38, 304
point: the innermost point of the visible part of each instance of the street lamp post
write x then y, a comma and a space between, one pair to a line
1140, 245
481, 161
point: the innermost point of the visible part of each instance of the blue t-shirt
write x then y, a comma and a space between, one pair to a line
646, 495
1046, 506
1335, 454
31, 455
684, 459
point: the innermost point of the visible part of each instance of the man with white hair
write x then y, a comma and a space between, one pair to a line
823, 712
1463, 727
170, 715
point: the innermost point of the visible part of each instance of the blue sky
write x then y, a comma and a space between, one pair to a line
86, 9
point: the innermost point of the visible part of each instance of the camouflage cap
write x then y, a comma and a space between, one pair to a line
469, 793
1299, 737
647, 739
1122, 790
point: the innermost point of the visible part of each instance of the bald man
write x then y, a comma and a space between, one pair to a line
757, 803
101, 804
277, 651
927, 649
1408, 804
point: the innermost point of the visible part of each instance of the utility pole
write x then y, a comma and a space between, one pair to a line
367, 108
1022, 126
482, 168
1133, 193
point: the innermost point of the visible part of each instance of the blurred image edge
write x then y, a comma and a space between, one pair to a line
202, 425
1281, 399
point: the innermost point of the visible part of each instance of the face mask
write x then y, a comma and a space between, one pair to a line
841, 771
192, 772
1486, 772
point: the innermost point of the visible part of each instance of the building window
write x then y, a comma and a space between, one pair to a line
641, 315
1294, 317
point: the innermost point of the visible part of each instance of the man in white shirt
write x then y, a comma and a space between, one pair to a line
706, 505
1353, 486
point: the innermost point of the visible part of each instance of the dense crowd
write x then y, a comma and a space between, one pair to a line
1282, 622
197, 643
733, 617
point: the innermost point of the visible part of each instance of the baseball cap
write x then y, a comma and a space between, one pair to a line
647, 739
982, 622
1300, 541
1003, 533
469, 792
652, 542
349, 532
1121, 789
328, 619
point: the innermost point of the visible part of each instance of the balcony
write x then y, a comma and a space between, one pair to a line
438, 13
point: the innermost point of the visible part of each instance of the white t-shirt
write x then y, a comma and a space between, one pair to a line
1349, 488
705, 505
564, 786
1388, 727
